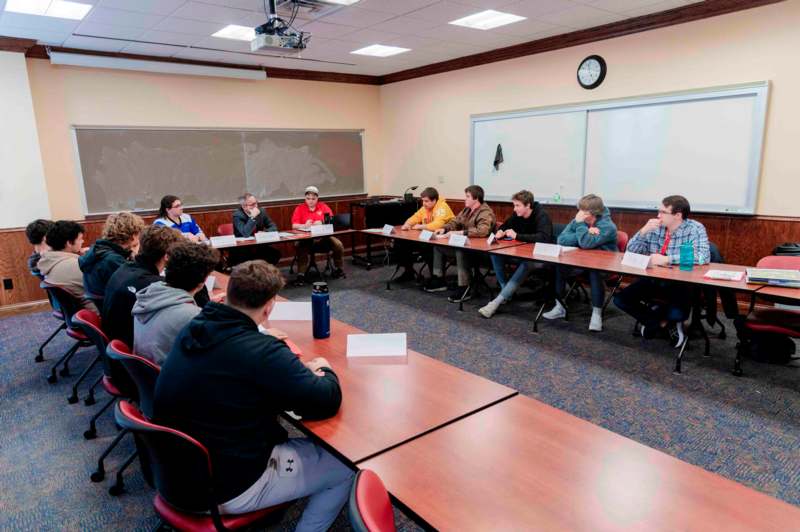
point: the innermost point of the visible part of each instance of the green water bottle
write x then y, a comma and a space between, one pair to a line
687, 256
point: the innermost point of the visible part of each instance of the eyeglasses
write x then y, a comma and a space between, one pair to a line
662, 211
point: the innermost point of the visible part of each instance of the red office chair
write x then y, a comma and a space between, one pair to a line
183, 476
68, 306
57, 314
616, 280
90, 324
224, 229
773, 320
369, 508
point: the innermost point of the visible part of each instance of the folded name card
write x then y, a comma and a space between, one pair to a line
457, 240
426, 235
491, 240
291, 311
322, 230
387, 229
211, 281
268, 236
376, 345
546, 250
223, 241
636, 260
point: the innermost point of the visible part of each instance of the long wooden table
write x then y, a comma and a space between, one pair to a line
523, 465
296, 235
790, 295
385, 405
473, 243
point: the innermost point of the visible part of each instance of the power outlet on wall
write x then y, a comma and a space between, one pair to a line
441, 179
8, 284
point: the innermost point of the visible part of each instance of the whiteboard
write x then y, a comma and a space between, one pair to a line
705, 145
542, 153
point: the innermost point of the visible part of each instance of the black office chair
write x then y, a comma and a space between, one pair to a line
55, 312
69, 306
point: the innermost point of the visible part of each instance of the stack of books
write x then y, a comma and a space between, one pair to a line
788, 278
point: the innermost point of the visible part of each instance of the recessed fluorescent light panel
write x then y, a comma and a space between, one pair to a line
239, 33
486, 20
49, 8
379, 50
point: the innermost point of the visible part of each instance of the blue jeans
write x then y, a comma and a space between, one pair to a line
509, 286
598, 288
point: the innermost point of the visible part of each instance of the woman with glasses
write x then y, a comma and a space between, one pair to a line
170, 213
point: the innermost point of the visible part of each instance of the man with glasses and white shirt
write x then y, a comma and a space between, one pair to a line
658, 304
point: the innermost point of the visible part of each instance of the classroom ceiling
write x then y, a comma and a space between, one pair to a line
183, 29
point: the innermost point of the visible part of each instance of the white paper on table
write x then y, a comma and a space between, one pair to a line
376, 345
457, 240
267, 236
211, 281
284, 234
724, 275
291, 311
490, 240
322, 230
546, 250
223, 241
374, 230
425, 235
387, 229
636, 260
567, 249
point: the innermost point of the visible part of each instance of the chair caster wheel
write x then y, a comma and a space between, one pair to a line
90, 434
64, 372
89, 401
39, 358
72, 399
52, 379
98, 476
116, 491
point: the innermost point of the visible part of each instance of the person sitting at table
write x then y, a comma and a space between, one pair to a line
170, 213
35, 233
59, 263
163, 308
315, 212
528, 223
225, 383
661, 306
117, 244
591, 228
475, 220
249, 219
433, 215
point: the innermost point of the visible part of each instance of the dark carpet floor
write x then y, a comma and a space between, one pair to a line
745, 428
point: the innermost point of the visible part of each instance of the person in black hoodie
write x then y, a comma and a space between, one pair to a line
249, 219
225, 383
119, 241
529, 223
132, 276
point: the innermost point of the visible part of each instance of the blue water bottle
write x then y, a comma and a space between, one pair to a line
321, 310
687, 256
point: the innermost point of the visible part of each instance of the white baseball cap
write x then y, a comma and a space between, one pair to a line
312, 189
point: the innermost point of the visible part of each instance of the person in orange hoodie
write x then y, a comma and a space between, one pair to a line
433, 215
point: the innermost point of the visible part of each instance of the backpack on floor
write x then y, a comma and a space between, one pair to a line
787, 248
771, 348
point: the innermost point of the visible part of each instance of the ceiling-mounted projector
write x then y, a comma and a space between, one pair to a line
278, 35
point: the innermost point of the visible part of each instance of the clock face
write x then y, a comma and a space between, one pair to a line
591, 72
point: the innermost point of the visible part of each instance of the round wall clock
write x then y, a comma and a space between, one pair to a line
591, 72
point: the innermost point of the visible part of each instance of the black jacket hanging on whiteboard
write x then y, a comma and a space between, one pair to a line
498, 157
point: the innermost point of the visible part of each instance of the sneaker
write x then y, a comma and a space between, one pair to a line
407, 276
460, 294
676, 336
596, 321
436, 284
490, 308
648, 333
299, 280
338, 273
555, 313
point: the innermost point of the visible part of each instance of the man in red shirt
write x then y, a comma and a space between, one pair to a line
315, 212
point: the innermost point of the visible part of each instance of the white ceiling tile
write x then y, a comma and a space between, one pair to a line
151, 49
395, 6
244, 59
444, 12
223, 44
118, 17
497, 5
324, 29
528, 28
168, 37
155, 7
201, 55
536, 8
580, 17
617, 6
404, 25
414, 42
56, 25
251, 5
460, 34
370, 36
42, 36
94, 29
182, 25
87, 43
354, 16
658, 7
219, 14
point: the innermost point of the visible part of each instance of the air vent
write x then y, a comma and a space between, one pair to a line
307, 9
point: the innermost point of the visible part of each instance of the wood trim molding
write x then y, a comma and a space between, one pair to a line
24, 308
13, 44
697, 11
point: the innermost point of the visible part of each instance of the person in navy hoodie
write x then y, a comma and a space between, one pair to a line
170, 213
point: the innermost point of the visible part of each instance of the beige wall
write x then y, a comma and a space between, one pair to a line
426, 121
66, 96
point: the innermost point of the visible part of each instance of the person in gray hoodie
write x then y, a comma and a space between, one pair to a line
163, 309
592, 228
59, 264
